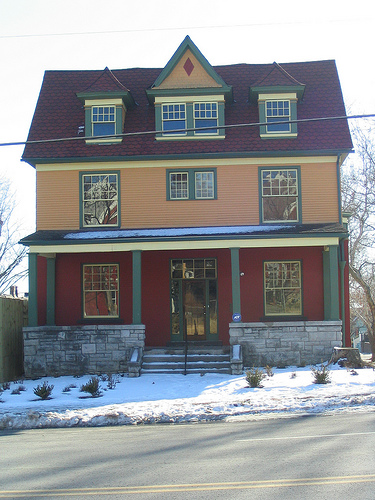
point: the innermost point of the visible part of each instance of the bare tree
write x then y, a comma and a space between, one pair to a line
358, 191
11, 253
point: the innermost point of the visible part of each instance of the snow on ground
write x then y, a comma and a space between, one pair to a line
191, 398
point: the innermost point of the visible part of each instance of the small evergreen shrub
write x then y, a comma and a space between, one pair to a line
68, 387
293, 375
6, 386
92, 387
321, 375
254, 377
43, 391
269, 371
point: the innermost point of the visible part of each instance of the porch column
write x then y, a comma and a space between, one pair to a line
137, 288
331, 283
51, 265
236, 292
33, 290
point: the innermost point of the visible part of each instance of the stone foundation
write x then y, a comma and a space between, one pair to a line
77, 350
286, 343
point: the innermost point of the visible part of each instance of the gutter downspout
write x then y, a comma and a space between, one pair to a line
342, 262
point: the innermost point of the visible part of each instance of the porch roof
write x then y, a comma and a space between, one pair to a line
228, 235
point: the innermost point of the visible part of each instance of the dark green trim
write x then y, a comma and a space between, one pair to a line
137, 287
260, 170
236, 289
186, 44
191, 183
275, 89
189, 156
100, 172
51, 265
33, 290
331, 284
126, 97
263, 119
338, 174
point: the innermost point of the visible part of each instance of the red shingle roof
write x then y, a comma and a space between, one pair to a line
59, 113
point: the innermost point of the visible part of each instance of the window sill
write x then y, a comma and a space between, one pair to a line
278, 136
190, 138
111, 140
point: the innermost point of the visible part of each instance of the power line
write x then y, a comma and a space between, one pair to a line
199, 129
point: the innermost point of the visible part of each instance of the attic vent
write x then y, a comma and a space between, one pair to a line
188, 66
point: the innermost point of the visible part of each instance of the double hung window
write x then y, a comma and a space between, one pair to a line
282, 288
278, 112
174, 119
280, 200
103, 120
191, 184
100, 199
206, 115
100, 290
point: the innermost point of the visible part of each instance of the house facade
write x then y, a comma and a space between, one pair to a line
188, 204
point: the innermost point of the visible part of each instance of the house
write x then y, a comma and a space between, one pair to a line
191, 204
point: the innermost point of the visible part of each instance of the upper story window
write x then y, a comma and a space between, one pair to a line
206, 115
174, 119
103, 120
178, 118
280, 198
191, 184
276, 113
100, 199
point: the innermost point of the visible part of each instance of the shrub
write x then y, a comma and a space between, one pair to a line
321, 374
254, 377
92, 387
43, 391
6, 386
269, 371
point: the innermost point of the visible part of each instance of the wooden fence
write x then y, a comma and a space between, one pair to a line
13, 317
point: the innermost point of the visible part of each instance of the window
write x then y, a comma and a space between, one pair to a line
205, 115
278, 111
191, 185
280, 195
174, 118
100, 290
282, 288
103, 120
100, 194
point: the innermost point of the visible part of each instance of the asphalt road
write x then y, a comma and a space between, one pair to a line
324, 457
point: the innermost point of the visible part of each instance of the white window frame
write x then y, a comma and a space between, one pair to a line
178, 108
111, 114
205, 113
277, 116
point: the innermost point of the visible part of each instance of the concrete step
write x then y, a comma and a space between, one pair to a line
173, 361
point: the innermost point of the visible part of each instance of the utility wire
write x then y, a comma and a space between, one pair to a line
199, 129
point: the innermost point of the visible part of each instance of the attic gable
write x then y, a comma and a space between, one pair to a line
188, 72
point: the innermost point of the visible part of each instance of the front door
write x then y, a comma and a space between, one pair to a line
194, 308
194, 300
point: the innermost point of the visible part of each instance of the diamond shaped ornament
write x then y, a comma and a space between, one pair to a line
188, 66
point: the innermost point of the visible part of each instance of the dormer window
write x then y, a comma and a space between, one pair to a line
103, 120
206, 115
174, 119
277, 112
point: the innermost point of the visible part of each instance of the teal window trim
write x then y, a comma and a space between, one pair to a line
109, 289
191, 191
137, 287
81, 200
263, 119
299, 196
89, 124
278, 314
190, 121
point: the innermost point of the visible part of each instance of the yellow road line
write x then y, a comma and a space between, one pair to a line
170, 488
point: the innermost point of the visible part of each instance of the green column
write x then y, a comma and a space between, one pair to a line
51, 261
33, 290
137, 288
236, 292
331, 284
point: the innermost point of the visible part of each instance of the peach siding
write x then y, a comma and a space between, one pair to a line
143, 198
178, 78
57, 200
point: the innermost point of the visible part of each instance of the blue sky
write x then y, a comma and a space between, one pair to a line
39, 35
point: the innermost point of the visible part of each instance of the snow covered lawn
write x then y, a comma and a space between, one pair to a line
179, 398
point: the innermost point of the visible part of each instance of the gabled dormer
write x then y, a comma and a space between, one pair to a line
106, 101
189, 97
277, 94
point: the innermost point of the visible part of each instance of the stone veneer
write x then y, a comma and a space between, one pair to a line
286, 343
78, 350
